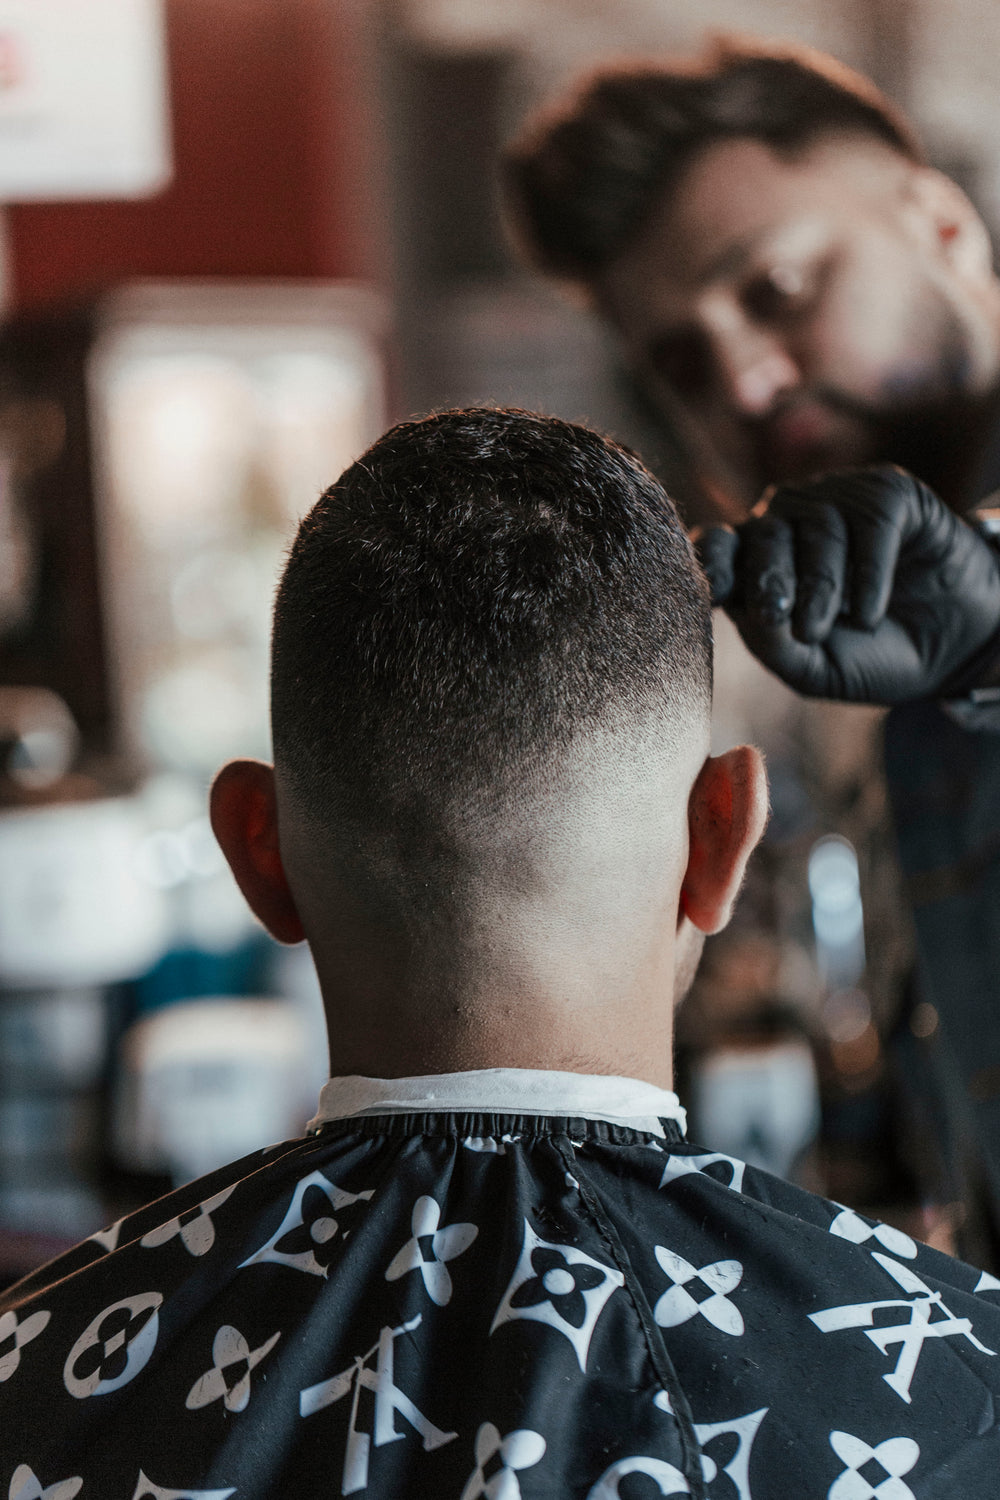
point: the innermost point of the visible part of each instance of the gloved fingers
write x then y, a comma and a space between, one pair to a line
821, 547
716, 550
876, 533
848, 666
923, 590
805, 666
879, 505
767, 570
932, 533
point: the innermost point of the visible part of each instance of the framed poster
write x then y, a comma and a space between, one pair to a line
83, 99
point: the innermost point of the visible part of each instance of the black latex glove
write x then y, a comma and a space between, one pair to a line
860, 586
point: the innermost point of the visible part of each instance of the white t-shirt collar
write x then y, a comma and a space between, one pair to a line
508, 1091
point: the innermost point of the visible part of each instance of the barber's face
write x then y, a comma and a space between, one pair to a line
808, 314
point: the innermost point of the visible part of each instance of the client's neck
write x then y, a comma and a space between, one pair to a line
384, 1025
540, 934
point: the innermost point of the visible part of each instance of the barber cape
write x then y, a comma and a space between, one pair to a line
489, 1285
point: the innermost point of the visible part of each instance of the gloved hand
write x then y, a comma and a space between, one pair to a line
861, 586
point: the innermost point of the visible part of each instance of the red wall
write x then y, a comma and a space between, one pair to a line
274, 160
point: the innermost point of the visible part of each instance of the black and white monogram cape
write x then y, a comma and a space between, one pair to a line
461, 1303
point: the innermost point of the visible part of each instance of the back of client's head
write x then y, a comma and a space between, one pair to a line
472, 596
490, 698
492, 810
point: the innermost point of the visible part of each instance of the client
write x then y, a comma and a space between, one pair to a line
494, 1267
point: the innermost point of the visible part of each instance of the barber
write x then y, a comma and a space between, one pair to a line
799, 293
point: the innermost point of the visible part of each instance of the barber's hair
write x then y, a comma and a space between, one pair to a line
476, 590
584, 178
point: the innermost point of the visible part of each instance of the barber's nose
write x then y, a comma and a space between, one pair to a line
755, 370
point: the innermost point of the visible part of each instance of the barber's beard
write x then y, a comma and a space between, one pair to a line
939, 443
936, 440
926, 422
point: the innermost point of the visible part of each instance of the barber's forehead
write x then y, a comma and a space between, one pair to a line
737, 193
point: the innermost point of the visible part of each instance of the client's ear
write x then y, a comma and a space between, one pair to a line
245, 822
727, 812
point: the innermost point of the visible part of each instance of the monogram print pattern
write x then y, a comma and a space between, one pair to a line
113, 1348
429, 1248
194, 1228
229, 1378
14, 1334
475, 1308
498, 1460
905, 1324
872, 1473
304, 1240
561, 1286
699, 1291
26, 1485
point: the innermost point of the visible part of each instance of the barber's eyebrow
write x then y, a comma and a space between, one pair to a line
729, 261
733, 257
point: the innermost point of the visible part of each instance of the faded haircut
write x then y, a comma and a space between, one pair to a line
479, 588
584, 177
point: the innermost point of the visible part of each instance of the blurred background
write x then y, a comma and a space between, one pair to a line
237, 237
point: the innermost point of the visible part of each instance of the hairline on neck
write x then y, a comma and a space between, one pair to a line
632, 784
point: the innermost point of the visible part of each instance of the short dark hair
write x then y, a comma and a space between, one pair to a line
584, 177
473, 591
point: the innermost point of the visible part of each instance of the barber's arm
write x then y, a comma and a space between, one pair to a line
863, 586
